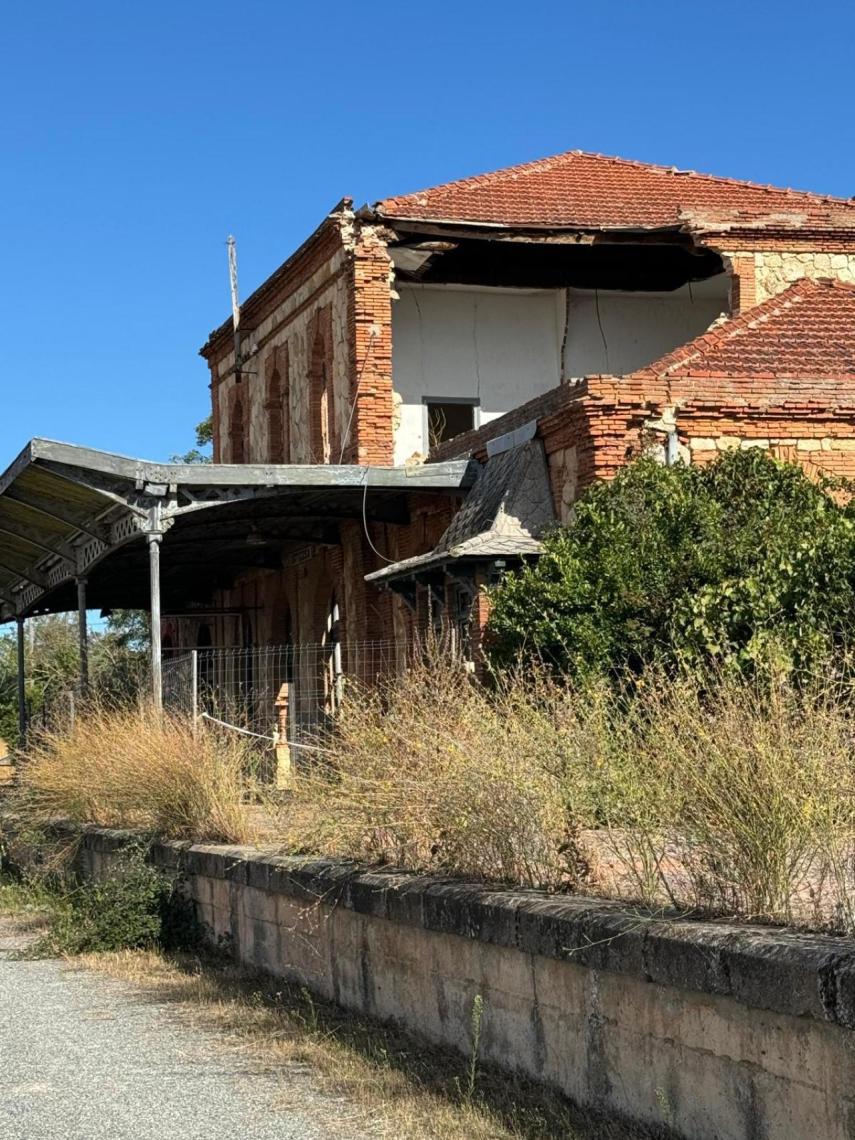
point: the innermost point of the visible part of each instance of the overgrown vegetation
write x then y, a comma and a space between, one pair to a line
431, 770
715, 794
670, 720
135, 768
739, 563
117, 664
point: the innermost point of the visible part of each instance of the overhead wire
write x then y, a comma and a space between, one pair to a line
600, 323
365, 519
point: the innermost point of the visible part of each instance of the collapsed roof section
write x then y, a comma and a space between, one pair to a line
597, 192
502, 518
70, 513
589, 221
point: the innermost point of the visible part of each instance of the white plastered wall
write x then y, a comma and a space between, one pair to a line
502, 347
634, 329
498, 346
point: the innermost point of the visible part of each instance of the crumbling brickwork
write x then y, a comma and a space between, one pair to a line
320, 327
371, 433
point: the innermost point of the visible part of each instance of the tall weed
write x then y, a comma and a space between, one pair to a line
136, 768
433, 771
716, 794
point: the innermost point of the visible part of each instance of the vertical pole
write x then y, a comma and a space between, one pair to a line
338, 672
194, 689
83, 635
22, 689
233, 283
154, 576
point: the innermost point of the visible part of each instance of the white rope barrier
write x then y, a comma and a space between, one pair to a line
235, 727
261, 736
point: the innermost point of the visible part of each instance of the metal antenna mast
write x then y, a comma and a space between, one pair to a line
233, 281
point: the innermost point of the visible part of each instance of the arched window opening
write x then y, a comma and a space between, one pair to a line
322, 436
273, 406
276, 408
237, 431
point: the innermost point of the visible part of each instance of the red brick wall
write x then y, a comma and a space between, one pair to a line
370, 333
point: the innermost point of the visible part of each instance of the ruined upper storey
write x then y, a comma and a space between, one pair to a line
398, 326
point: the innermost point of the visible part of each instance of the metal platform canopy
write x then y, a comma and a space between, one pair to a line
89, 529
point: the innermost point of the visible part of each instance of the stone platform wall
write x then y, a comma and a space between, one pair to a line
707, 1031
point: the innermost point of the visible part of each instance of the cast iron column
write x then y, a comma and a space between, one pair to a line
83, 635
22, 689
154, 539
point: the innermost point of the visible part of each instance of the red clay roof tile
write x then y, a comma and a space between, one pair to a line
577, 189
806, 331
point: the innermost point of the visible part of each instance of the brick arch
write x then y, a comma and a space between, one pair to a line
276, 405
237, 428
323, 437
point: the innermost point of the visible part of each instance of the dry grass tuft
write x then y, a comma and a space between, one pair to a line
134, 768
430, 770
713, 794
387, 1084
735, 797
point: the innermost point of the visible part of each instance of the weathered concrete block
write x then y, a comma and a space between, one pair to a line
714, 1030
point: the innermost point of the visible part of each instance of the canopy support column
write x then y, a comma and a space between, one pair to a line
154, 540
22, 687
83, 637
155, 527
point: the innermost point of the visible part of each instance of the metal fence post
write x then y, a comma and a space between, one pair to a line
22, 685
194, 689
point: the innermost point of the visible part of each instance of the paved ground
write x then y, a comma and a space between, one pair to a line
82, 1058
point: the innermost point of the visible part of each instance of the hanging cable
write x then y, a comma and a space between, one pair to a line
600, 323
365, 519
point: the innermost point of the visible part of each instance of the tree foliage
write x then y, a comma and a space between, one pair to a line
204, 439
741, 561
117, 663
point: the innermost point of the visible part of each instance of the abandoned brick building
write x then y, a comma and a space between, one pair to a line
543, 319
424, 386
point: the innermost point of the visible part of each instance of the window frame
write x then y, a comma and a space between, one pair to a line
474, 402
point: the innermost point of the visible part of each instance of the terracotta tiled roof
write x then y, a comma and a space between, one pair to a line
584, 190
806, 331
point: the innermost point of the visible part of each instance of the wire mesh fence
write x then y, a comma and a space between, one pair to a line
284, 694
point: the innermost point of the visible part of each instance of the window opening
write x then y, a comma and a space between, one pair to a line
447, 418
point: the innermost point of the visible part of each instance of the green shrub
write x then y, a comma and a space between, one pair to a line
128, 910
743, 561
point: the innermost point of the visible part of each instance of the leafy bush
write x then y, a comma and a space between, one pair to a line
136, 768
124, 911
743, 561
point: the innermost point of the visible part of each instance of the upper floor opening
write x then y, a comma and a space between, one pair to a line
480, 326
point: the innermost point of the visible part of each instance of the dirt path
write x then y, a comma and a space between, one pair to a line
84, 1057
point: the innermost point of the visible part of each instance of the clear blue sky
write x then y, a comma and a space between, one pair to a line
135, 137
